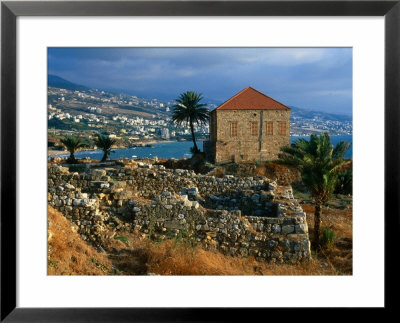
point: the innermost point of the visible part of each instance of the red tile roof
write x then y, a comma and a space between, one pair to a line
251, 99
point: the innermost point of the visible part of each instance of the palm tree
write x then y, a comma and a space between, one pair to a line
104, 143
319, 163
72, 144
189, 110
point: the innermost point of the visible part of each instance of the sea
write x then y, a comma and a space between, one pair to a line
177, 149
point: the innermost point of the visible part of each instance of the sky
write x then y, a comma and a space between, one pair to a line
310, 78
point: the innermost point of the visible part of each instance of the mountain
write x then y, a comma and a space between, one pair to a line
296, 112
309, 114
58, 82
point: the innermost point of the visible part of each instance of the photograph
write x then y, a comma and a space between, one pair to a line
200, 161
178, 155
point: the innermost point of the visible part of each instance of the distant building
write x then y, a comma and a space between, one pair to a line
249, 126
165, 133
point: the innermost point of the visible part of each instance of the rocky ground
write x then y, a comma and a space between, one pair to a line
140, 249
138, 255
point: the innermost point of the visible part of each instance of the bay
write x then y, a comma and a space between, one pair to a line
176, 149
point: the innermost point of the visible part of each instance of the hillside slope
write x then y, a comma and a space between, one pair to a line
59, 82
68, 254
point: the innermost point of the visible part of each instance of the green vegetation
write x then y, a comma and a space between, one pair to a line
72, 144
123, 239
328, 237
231, 168
301, 191
319, 164
189, 110
52, 263
104, 143
77, 168
337, 201
186, 238
344, 184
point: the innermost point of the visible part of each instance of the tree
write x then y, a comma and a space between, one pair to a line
189, 110
104, 143
319, 163
72, 144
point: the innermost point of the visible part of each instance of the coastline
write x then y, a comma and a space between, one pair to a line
54, 153
171, 148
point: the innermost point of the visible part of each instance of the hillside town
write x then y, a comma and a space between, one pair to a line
131, 119
127, 118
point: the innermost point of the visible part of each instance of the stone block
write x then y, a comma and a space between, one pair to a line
276, 228
301, 228
272, 244
118, 184
77, 202
173, 225
286, 229
98, 173
195, 204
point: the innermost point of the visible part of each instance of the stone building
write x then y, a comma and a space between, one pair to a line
249, 126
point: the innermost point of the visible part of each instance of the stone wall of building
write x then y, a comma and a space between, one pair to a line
237, 216
246, 146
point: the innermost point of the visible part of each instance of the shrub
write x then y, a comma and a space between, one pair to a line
77, 168
231, 168
185, 238
300, 187
328, 237
344, 184
123, 239
197, 162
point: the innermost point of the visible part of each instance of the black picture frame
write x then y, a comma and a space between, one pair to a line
10, 10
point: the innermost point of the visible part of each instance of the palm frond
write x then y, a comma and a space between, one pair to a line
72, 143
340, 149
318, 162
189, 110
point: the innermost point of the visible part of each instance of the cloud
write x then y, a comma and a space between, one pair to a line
333, 93
316, 77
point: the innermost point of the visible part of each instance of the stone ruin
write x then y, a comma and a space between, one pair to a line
249, 216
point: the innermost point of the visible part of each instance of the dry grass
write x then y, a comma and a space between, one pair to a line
338, 255
284, 175
217, 172
68, 254
180, 260
139, 255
